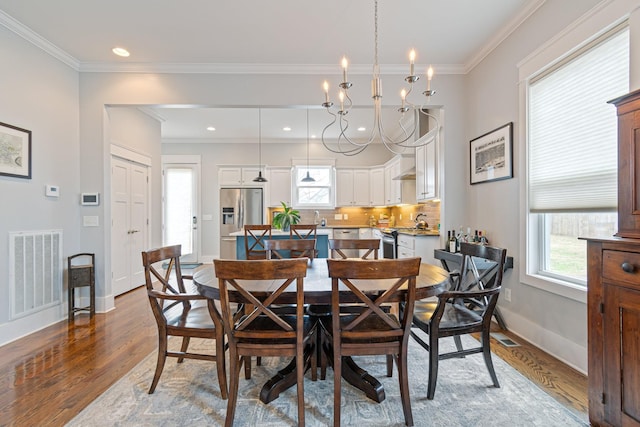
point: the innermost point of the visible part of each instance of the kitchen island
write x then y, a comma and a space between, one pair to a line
322, 241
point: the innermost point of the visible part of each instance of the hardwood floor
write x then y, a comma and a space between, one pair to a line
51, 375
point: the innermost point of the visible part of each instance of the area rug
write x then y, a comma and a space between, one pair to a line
188, 394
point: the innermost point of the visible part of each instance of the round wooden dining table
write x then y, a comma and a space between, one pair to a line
317, 293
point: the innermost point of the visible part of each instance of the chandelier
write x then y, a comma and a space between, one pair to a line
347, 145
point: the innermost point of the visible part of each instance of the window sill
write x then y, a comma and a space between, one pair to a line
557, 287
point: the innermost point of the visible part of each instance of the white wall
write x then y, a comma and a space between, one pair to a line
552, 322
40, 94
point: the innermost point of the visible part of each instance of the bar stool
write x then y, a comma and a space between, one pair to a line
79, 276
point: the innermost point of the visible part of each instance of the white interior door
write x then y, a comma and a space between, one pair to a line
129, 226
180, 208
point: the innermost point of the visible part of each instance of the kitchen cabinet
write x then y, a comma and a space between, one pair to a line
399, 191
406, 246
426, 171
352, 187
278, 186
376, 187
234, 176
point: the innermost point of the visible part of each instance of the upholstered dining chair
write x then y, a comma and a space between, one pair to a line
264, 331
372, 330
465, 309
371, 247
304, 231
290, 248
254, 237
181, 313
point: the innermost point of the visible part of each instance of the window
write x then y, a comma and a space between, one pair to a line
572, 156
318, 193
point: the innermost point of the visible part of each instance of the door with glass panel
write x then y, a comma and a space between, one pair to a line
180, 208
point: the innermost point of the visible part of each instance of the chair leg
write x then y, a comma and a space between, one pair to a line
337, 383
221, 364
234, 380
403, 378
162, 357
323, 354
184, 347
433, 366
486, 352
389, 365
300, 366
247, 367
458, 341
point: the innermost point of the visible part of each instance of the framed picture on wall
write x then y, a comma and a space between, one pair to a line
15, 151
492, 155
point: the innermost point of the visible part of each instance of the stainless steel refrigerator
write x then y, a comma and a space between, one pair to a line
238, 206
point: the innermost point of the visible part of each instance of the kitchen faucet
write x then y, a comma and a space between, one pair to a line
316, 217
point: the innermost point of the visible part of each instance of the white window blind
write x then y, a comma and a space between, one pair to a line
573, 130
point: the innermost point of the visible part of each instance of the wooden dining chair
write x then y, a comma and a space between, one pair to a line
373, 330
465, 309
304, 231
370, 245
290, 248
254, 237
181, 313
264, 331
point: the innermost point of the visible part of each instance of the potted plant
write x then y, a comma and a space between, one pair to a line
282, 220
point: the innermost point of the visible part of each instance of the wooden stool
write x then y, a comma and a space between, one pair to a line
81, 276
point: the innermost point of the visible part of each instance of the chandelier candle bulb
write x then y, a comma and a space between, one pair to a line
344, 68
412, 58
326, 91
341, 100
429, 77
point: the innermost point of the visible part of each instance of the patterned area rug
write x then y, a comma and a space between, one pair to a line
188, 394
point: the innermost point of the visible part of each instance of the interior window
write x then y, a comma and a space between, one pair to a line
572, 155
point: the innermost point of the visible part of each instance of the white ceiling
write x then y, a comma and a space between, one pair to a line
252, 35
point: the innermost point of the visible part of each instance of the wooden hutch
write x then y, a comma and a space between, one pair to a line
614, 289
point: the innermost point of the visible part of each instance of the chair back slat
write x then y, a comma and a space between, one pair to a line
370, 245
254, 238
303, 231
290, 248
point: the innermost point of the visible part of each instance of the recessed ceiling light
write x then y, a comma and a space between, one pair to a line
313, 137
120, 51
286, 129
362, 129
211, 128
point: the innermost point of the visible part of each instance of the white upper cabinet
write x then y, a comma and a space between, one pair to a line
278, 186
352, 187
233, 176
376, 187
426, 172
399, 190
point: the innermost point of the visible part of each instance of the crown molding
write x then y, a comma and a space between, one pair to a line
501, 36
37, 40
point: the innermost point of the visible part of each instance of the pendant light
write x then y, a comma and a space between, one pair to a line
259, 178
308, 178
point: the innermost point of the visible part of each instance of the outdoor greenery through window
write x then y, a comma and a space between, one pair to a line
317, 193
572, 155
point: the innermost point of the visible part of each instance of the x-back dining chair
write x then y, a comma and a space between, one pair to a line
372, 330
371, 247
304, 231
290, 248
181, 313
254, 238
465, 309
264, 331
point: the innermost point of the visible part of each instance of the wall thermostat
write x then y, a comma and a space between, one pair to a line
90, 199
52, 191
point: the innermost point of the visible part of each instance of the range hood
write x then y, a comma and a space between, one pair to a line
408, 174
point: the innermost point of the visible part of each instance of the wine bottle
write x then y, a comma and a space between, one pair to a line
453, 242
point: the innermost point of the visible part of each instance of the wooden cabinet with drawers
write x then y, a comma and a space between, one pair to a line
614, 331
613, 297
